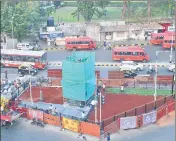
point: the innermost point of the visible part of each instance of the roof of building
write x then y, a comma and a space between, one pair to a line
129, 48
22, 52
113, 28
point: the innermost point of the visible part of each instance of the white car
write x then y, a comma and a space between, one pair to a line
24, 46
131, 65
171, 67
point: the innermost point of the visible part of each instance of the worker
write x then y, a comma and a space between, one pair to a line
51, 108
2, 110
108, 137
104, 86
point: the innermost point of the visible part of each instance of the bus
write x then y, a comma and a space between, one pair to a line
15, 58
168, 41
130, 53
157, 38
80, 43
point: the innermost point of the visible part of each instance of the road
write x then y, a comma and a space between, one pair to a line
151, 133
23, 131
13, 73
51, 133
102, 55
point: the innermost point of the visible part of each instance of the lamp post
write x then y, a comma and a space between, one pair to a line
96, 120
100, 108
171, 47
156, 69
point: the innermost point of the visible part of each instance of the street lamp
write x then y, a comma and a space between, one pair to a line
156, 69
171, 46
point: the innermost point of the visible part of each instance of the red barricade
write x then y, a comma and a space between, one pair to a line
170, 106
161, 112
35, 114
111, 128
22, 110
90, 129
139, 121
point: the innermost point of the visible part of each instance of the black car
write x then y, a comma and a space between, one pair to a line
130, 74
24, 70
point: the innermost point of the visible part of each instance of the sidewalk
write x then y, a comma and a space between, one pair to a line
166, 121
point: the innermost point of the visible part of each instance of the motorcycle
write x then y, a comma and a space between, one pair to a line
151, 71
38, 123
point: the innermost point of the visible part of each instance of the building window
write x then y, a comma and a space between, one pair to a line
120, 34
108, 35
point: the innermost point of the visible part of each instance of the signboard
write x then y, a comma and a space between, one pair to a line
128, 122
149, 118
70, 124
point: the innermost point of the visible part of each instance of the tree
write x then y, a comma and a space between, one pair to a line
103, 3
57, 3
22, 16
90, 8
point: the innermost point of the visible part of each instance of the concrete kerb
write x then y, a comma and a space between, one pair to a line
107, 64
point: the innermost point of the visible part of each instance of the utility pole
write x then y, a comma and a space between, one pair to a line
96, 100
100, 108
149, 9
30, 87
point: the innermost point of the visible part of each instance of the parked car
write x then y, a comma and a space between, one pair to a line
28, 46
171, 67
131, 65
130, 74
27, 69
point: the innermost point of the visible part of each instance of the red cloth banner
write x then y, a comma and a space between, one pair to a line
128, 122
149, 118
35, 114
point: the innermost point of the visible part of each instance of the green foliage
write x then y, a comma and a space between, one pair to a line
103, 3
22, 16
57, 3
90, 8
19, 15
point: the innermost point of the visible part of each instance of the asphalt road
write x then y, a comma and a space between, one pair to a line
102, 55
52, 133
13, 73
152, 133
23, 131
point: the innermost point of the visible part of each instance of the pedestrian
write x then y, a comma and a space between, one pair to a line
109, 45
104, 87
104, 44
83, 115
50, 108
108, 137
145, 35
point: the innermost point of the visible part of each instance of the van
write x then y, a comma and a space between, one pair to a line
130, 53
24, 46
28, 46
131, 65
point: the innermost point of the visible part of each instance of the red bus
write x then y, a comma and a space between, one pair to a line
168, 41
14, 58
80, 43
130, 53
157, 38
